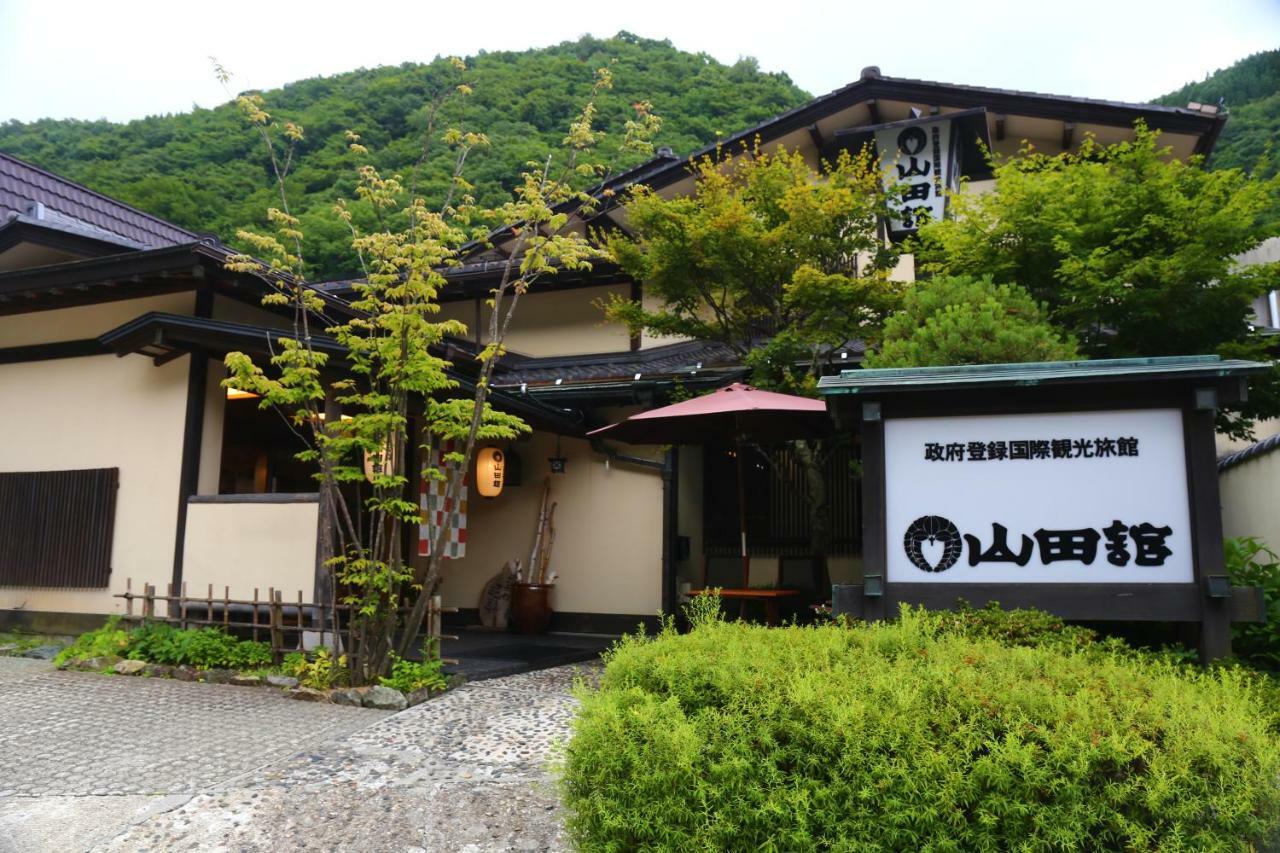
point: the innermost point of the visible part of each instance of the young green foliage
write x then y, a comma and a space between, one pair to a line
777, 260
1249, 562
392, 383
966, 320
1131, 250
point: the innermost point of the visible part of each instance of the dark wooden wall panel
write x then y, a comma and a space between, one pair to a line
778, 512
56, 527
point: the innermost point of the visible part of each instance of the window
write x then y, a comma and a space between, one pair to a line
56, 527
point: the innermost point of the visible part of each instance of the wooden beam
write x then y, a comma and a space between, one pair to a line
873, 111
816, 136
192, 437
1068, 131
164, 358
999, 128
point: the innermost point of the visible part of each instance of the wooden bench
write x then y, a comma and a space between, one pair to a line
742, 594
770, 597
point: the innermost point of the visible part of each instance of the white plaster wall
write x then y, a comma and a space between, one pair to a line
215, 404
245, 546
235, 311
1249, 494
101, 412
85, 321
608, 548
557, 322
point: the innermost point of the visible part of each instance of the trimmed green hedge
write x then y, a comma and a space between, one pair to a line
913, 735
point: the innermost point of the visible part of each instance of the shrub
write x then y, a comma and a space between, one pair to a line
320, 673
1015, 627
248, 654
408, 676
159, 642
208, 648
1251, 563
109, 640
294, 663
910, 736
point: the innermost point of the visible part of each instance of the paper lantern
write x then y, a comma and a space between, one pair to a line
490, 470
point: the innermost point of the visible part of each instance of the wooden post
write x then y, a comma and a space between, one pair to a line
255, 614
1206, 524
434, 627
875, 554
277, 636
182, 607
226, 607
148, 601
128, 598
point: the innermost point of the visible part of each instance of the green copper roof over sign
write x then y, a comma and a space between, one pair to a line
895, 379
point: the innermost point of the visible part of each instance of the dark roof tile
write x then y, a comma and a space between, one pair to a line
25, 189
1253, 451
666, 360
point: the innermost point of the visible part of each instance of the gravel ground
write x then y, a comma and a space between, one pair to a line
465, 772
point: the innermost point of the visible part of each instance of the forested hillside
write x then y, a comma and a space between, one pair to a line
207, 171
1250, 90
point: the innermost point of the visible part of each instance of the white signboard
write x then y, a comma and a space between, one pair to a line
918, 156
1091, 497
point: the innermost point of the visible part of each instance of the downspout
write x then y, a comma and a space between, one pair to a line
670, 505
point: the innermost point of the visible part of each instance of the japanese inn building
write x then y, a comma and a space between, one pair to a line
125, 461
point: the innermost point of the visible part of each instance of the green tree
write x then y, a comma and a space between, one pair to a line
394, 386
777, 260
1131, 251
966, 320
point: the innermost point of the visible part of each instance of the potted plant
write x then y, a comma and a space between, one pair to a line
531, 593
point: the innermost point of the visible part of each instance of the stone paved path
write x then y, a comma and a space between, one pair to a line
89, 762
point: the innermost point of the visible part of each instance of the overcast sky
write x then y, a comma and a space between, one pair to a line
123, 60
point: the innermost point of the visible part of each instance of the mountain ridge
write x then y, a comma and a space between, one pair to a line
205, 170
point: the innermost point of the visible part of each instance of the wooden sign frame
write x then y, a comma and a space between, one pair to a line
1207, 601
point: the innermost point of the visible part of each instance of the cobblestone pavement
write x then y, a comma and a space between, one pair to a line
89, 762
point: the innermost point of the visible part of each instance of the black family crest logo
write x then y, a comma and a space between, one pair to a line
934, 530
1140, 545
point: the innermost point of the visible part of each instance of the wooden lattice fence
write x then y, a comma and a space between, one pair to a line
287, 625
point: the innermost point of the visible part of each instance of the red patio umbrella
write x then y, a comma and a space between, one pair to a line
737, 411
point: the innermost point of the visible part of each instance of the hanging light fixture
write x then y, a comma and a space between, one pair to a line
557, 461
491, 469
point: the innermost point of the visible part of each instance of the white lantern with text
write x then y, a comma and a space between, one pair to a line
490, 471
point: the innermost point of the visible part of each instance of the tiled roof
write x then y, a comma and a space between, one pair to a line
31, 192
667, 360
685, 358
1260, 448
893, 379
665, 167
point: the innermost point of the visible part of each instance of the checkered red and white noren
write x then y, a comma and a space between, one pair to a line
436, 507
